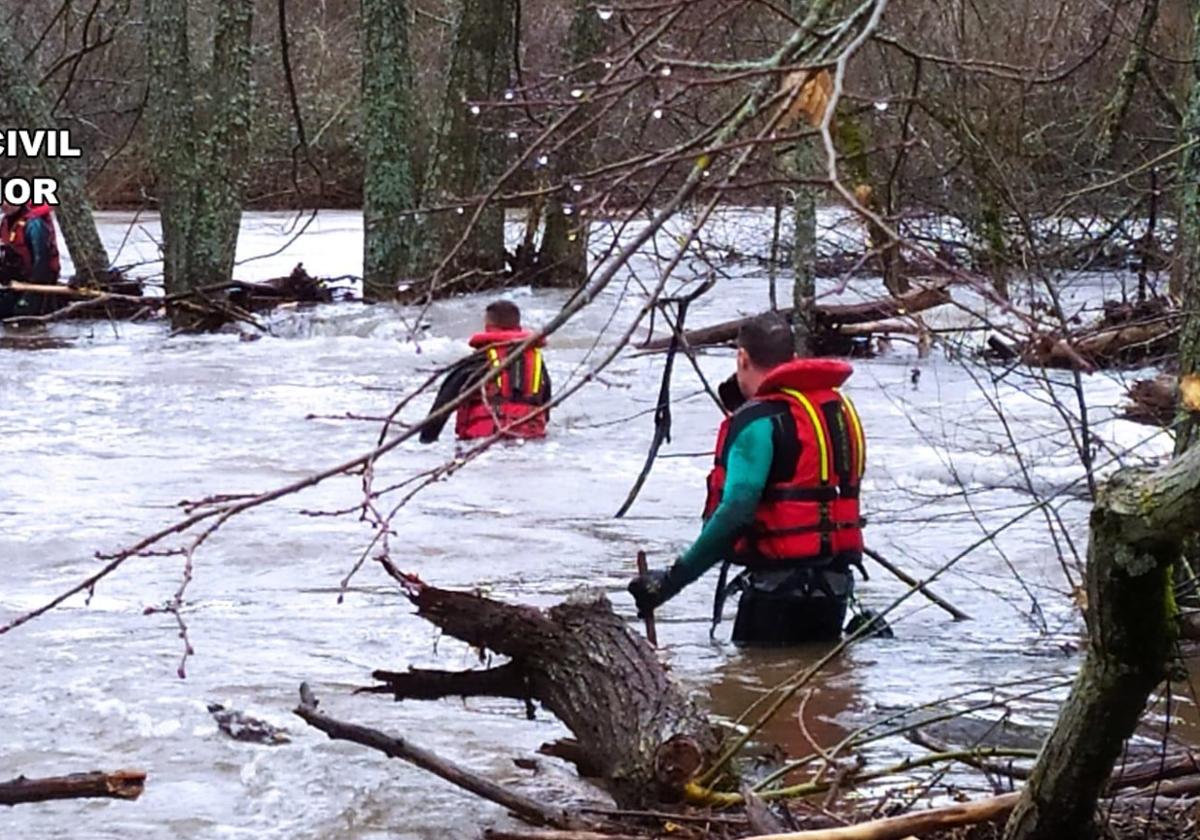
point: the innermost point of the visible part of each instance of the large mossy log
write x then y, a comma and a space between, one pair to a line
1138, 526
635, 730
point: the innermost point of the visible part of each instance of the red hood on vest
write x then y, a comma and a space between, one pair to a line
485, 339
806, 375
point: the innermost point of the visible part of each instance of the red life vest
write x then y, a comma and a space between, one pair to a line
12, 235
809, 509
511, 397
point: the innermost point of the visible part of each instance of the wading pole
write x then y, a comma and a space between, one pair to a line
904, 576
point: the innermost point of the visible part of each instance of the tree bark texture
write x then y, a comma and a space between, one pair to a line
1189, 239
389, 132
1137, 530
804, 252
470, 150
637, 731
26, 105
562, 256
1134, 66
198, 124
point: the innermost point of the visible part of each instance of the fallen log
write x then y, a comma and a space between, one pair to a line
213, 305
120, 784
635, 729
1125, 335
830, 316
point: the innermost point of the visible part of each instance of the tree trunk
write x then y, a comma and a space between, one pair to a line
636, 730
469, 154
198, 124
1188, 247
1137, 529
26, 105
389, 113
1135, 63
804, 253
562, 257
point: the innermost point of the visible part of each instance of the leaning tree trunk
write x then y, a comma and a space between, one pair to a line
26, 104
469, 155
389, 113
636, 732
1135, 65
198, 125
562, 255
1138, 527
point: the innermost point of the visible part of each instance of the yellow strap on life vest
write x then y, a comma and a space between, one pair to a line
818, 430
537, 373
860, 439
494, 357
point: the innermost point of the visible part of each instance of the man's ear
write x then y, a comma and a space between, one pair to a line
743, 358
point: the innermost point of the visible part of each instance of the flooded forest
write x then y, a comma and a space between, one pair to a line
588, 420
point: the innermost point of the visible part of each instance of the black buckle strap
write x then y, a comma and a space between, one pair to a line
723, 591
800, 494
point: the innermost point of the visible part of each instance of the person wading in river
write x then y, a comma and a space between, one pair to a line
508, 402
30, 244
782, 496
28, 253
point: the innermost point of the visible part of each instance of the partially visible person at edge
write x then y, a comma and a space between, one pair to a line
508, 402
782, 497
29, 243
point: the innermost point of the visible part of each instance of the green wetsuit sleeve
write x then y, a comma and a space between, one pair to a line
746, 471
38, 237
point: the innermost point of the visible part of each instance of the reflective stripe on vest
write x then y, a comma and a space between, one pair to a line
494, 358
860, 441
818, 430
537, 373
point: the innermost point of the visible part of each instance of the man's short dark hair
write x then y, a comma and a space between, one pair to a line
504, 315
767, 340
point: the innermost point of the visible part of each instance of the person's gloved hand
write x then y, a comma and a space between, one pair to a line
653, 589
731, 394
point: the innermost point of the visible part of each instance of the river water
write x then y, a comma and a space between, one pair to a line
106, 428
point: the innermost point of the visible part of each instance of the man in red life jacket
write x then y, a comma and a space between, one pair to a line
29, 242
782, 496
508, 401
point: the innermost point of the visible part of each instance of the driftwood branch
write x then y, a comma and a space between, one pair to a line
829, 316
917, 823
120, 784
396, 747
